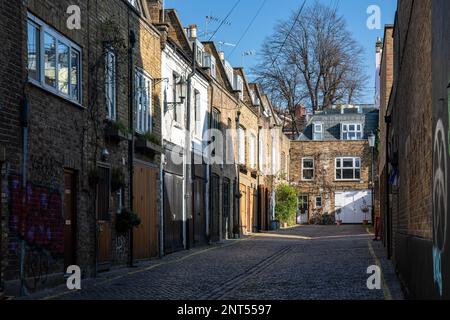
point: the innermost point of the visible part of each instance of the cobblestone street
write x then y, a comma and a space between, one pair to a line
310, 262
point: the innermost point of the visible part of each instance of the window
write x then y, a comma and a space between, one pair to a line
177, 84
210, 62
317, 131
252, 155
33, 51
319, 202
242, 146
215, 122
308, 169
110, 84
197, 113
351, 131
348, 168
303, 204
254, 96
54, 62
229, 72
239, 86
143, 114
199, 54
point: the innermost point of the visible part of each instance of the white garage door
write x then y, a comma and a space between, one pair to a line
351, 206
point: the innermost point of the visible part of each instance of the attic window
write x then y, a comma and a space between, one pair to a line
351, 131
317, 131
210, 62
239, 86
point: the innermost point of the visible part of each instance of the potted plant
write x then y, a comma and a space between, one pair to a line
149, 142
117, 131
338, 217
365, 209
126, 220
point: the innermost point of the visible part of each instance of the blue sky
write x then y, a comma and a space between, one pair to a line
354, 11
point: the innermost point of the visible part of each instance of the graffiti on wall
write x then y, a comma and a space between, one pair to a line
440, 193
36, 217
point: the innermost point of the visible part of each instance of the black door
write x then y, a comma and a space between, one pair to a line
215, 209
199, 220
226, 214
173, 213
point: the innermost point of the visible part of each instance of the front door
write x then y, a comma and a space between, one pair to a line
215, 209
243, 208
69, 219
226, 214
145, 204
104, 219
173, 213
303, 209
199, 212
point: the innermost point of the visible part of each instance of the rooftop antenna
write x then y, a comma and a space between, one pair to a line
213, 19
223, 43
247, 54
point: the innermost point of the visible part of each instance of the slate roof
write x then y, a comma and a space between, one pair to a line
332, 119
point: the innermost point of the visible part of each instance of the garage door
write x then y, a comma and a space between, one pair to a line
351, 206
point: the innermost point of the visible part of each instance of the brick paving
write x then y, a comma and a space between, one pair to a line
309, 262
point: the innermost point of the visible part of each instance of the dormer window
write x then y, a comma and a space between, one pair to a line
317, 131
351, 131
210, 62
229, 72
199, 54
255, 99
239, 86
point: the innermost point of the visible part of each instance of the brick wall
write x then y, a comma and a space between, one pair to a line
324, 183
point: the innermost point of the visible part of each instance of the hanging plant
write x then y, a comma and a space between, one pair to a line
117, 179
126, 220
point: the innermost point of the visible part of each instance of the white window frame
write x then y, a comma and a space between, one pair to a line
345, 130
242, 145
342, 168
309, 169
111, 84
315, 132
44, 28
252, 153
321, 202
144, 116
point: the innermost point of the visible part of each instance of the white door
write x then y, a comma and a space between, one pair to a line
352, 206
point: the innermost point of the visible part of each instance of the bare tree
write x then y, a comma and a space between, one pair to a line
311, 59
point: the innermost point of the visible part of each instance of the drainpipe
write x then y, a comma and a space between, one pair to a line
24, 119
132, 39
388, 214
238, 187
189, 158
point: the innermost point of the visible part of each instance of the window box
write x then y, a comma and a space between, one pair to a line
114, 132
243, 168
145, 145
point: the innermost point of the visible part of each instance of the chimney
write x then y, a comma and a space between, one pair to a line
379, 45
156, 11
192, 32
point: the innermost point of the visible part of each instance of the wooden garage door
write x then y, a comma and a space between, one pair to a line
215, 208
145, 237
173, 213
243, 208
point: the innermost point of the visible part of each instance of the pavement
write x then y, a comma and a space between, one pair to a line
301, 263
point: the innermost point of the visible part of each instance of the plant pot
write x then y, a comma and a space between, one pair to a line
365, 222
339, 222
148, 147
